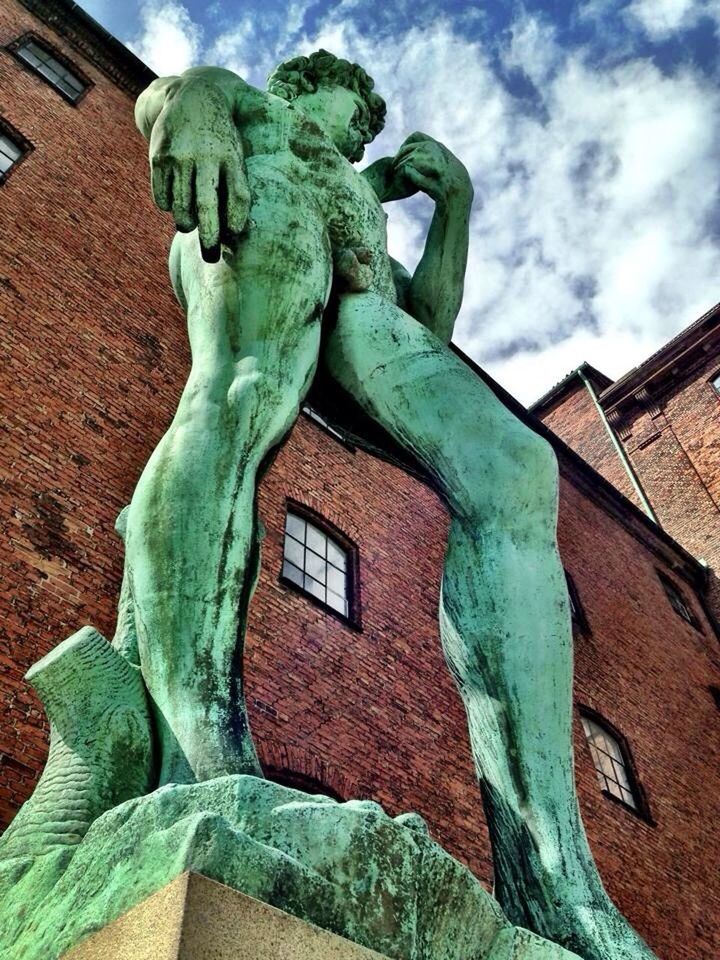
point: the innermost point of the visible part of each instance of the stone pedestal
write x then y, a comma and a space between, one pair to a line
194, 918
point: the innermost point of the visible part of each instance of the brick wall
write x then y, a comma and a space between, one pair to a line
674, 445
575, 418
93, 352
95, 359
648, 673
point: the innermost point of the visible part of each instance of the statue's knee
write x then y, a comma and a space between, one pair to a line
529, 490
244, 380
512, 482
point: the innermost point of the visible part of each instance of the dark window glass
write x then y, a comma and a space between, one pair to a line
10, 152
576, 608
611, 766
716, 382
317, 563
678, 602
48, 66
13, 147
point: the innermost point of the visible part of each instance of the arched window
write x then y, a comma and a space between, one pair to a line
613, 763
321, 562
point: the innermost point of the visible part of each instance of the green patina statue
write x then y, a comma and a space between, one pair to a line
271, 213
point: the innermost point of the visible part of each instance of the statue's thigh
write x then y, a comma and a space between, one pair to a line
415, 386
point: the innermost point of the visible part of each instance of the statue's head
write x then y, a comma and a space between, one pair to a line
337, 94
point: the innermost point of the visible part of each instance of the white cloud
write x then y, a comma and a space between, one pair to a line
590, 237
592, 234
235, 49
532, 48
170, 41
661, 18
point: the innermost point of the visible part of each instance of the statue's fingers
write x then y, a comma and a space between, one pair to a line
162, 185
417, 177
405, 151
183, 198
238, 197
207, 201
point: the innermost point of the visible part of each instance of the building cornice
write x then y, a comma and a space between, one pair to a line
659, 370
94, 42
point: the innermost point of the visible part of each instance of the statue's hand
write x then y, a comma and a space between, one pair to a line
351, 268
432, 168
198, 172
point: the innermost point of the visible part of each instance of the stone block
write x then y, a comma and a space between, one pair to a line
194, 918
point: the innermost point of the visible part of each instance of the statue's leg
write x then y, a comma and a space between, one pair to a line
191, 542
504, 618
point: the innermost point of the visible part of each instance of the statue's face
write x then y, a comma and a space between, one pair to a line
350, 131
344, 117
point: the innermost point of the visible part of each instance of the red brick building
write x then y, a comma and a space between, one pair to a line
356, 702
655, 434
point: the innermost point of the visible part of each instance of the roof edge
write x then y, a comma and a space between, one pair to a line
94, 42
601, 491
688, 338
564, 386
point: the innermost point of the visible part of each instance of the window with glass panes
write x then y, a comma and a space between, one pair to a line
49, 67
612, 769
13, 147
10, 152
678, 602
317, 563
715, 381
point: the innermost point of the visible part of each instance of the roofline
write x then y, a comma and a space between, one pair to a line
688, 338
563, 386
94, 42
600, 490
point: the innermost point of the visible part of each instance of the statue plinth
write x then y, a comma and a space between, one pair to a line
194, 918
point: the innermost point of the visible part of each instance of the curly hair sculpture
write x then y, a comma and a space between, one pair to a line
306, 74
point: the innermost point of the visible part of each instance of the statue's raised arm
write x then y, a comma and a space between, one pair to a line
196, 155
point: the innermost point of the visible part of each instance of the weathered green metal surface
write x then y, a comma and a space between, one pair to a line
270, 211
347, 867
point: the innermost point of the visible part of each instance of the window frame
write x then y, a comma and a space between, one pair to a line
711, 380
670, 587
12, 133
354, 616
16, 45
577, 610
641, 810
325, 424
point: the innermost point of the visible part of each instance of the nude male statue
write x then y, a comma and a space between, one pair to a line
269, 207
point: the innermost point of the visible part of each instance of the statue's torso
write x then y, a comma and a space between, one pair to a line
278, 136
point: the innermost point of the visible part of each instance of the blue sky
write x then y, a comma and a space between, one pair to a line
590, 128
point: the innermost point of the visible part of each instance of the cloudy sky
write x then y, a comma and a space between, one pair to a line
590, 130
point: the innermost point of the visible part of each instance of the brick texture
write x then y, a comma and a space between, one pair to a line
93, 353
675, 448
95, 358
576, 420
